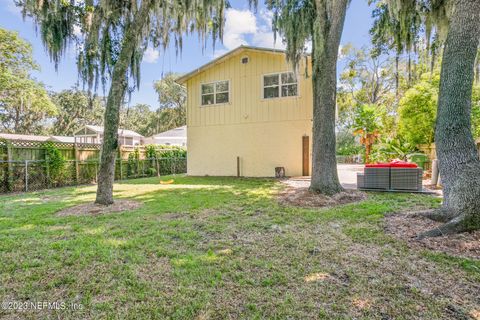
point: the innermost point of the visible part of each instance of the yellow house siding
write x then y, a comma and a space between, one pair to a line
213, 150
264, 133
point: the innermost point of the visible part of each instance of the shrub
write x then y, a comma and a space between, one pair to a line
392, 148
132, 163
417, 112
164, 151
150, 151
54, 160
347, 144
151, 172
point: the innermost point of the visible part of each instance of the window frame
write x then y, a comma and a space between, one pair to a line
128, 139
214, 83
280, 85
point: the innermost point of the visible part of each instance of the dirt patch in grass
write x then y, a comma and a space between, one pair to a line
93, 209
302, 197
407, 226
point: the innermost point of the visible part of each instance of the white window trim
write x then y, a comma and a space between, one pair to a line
215, 93
280, 84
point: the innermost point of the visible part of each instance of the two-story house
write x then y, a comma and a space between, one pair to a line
249, 111
94, 134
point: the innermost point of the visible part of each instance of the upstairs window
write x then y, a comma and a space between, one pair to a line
215, 93
128, 141
280, 85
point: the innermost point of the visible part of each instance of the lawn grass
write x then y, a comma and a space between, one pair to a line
219, 248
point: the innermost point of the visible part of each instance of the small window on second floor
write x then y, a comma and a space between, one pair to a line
128, 141
280, 85
215, 93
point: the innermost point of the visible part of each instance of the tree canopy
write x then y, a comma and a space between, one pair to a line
417, 112
139, 118
24, 103
98, 30
172, 97
75, 109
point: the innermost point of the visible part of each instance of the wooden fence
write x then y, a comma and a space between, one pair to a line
24, 167
431, 152
19, 150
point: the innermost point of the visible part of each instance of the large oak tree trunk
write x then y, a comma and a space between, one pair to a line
458, 159
115, 99
327, 33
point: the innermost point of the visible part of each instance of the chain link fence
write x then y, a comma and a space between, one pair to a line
32, 175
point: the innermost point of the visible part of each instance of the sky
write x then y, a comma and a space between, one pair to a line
241, 27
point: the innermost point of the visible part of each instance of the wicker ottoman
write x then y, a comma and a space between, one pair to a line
406, 179
360, 180
377, 178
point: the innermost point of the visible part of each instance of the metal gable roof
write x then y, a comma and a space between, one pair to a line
24, 137
122, 132
180, 132
184, 78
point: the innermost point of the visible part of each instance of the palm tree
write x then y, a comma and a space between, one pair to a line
459, 21
321, 22
111, 37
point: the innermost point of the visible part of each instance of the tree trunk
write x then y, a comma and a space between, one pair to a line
368, 149
397, 75
457, 155
326, 40
409, 69
115, 98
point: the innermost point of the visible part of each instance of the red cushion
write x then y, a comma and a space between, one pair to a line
404, 165
393, 164
378, 165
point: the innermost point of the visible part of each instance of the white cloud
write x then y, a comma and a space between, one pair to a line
238, 24
151, 55
264, 36
242, 27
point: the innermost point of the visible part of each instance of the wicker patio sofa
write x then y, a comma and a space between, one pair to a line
393, 176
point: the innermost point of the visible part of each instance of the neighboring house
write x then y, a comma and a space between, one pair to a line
250, 104
25, 137
62, 139
174, 137
94, 134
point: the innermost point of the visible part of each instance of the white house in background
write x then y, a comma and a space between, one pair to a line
62, 139
174, 137
26, 137
94, 134
23, 137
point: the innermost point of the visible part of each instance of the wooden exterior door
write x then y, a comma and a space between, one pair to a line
305, 156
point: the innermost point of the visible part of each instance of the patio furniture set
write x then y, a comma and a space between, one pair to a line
397, 176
